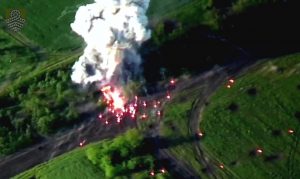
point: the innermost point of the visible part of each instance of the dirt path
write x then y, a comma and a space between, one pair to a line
91, 130
215, 80
210, 81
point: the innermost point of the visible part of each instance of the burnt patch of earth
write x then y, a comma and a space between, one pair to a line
280, 70
252, 91
297, 115
272, 158
234, 163
233, 107
276, 133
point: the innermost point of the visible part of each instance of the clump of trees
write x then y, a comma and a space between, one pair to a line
180, 20
122, 155
240, 5
38, 108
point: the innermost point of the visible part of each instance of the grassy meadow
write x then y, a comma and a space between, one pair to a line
257, 113
47, 23
71, 165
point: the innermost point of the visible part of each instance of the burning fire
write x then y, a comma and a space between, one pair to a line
120, 108
113, 30
259, 151
290, 131
114, 98
117, 104
152, 173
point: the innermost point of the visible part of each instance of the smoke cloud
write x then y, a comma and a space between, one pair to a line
113, 30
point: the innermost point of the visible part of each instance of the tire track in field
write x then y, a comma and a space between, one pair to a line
219, 76
211, 84
291, 157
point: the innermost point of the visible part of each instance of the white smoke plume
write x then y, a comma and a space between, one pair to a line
112, 30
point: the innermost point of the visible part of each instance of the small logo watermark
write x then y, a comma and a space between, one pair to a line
15, 19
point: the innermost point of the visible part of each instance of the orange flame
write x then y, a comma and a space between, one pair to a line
114, 97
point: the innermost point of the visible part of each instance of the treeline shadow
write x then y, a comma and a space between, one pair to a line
267, 30
197, 50
36, 52
151, 145
14, 49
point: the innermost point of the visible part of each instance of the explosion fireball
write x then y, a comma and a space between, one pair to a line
114, 98
113, 30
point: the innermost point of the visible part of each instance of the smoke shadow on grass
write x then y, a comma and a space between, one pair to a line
167, 142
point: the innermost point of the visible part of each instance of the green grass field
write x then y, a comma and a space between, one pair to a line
70, 165
187, 12
183, 15
257, 112
48, 23
15, 58
175, 128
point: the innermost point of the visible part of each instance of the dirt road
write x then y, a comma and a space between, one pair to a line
91, 130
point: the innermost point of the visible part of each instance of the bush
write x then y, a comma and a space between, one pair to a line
120, 155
